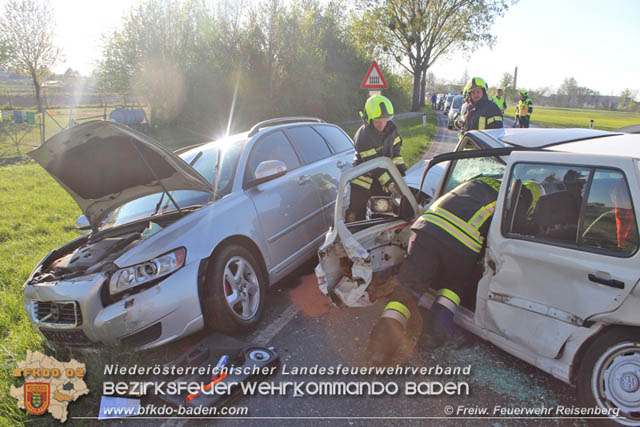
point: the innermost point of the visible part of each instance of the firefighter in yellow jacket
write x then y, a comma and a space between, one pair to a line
377, 137
444, 251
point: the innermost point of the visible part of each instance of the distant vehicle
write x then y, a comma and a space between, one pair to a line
560, 285
447, 103
181, 241
440, 101
458, 100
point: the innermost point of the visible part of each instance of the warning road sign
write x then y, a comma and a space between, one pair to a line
374, 78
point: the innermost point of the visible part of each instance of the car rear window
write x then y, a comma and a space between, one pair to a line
308, 143
546, 203
336, 138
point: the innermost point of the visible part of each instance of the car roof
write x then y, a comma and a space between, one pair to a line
577, 140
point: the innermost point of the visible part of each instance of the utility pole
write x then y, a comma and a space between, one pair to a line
515, 78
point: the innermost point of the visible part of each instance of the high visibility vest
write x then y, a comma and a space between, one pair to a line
523, 107
463, 213
499, 101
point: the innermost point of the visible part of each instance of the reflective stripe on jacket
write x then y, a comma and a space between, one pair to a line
371, 144
525, 108
484, 114
461, 217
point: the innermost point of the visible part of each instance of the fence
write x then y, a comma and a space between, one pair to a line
22, 131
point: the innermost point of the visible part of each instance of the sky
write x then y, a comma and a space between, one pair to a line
594, 41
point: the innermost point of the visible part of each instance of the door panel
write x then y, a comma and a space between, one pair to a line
541, 291
288, 207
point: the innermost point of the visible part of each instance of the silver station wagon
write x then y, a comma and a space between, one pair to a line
181, 241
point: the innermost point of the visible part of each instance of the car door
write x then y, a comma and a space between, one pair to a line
288, 207
341, 159
557, 254
323, 167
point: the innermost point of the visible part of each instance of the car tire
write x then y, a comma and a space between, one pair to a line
235, 291
609, 375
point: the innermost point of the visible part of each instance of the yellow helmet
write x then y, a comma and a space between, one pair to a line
378, 107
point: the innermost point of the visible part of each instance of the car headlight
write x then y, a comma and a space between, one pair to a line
136, 275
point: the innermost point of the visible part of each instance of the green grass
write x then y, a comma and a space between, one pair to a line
570, 117
36, 216
416, 139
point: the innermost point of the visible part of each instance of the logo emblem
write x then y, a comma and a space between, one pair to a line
36, 398
629, 382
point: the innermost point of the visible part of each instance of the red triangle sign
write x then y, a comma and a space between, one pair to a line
374, 78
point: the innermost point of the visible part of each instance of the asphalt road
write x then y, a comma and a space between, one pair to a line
307, 331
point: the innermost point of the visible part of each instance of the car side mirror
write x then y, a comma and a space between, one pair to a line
82, 223
268, 170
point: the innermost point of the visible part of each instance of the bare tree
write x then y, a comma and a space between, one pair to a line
27, 26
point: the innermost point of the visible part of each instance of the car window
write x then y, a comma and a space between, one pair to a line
465, 169
274, 146
336, 138
609, 220
205, 162
457, 101
308, 144
544, 202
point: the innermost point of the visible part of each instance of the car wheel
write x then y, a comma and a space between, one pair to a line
235, 291
609, 375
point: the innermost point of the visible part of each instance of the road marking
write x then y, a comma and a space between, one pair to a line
267, 334
262, 339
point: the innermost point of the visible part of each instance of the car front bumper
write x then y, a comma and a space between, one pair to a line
70, 312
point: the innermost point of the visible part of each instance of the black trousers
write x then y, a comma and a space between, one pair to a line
432, 264
524, 121
360, 196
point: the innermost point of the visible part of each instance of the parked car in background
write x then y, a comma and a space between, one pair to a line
180, 241
560, 283
456, 104
447, 103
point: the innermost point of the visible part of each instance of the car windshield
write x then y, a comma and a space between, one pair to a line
449, 98
216, 162
457, 101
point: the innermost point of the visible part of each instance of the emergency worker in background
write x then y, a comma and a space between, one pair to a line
444, 251
483, 113
500, 101
377, 137
524, 109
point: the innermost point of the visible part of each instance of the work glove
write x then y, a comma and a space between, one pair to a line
385, 339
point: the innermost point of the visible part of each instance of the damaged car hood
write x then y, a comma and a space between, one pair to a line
104, 165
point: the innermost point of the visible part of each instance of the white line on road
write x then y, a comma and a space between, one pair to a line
267, 334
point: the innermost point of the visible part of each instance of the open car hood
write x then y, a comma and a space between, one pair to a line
104, 165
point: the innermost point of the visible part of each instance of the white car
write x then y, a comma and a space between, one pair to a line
560, 292
456, 105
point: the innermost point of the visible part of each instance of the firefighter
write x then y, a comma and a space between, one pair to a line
444, 250
483, 113
377, 137
500, 101
524, 109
